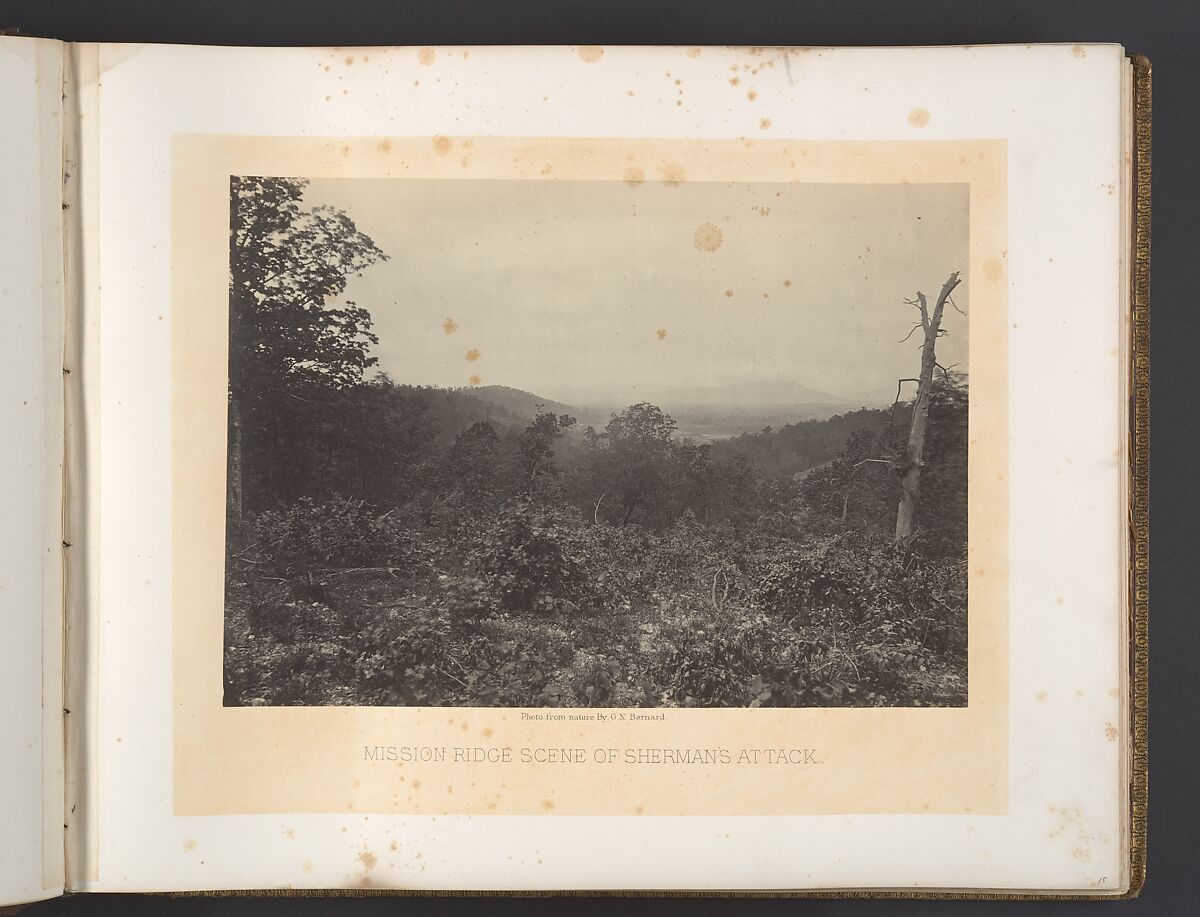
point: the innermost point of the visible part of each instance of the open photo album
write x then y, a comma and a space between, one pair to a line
535, 469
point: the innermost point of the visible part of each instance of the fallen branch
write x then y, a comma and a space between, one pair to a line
451, 675
342, 571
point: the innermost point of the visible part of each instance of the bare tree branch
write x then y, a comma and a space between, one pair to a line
896, 400
282, 391
921, 304
945, 370
342, 571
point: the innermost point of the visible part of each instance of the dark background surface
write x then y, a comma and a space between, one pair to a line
1165, 30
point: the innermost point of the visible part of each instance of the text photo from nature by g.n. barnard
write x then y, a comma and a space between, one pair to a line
502, 443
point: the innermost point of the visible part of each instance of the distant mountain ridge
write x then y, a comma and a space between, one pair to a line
750, 395
703, 413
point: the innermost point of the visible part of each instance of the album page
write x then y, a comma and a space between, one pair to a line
31, 374
608, 468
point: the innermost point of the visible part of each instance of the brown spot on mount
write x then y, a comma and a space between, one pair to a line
918, 117
634, 175
441, 145
590, 54
672, 173
708, 238
426, 56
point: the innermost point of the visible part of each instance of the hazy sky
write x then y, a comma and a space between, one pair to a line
566, 287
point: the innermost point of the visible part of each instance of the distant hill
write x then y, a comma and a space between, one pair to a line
753, 395
705, 414
517, 402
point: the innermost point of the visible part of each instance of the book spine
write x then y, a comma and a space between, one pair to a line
80, 391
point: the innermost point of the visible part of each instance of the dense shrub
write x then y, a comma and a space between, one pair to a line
706, 664
281, 648
839, 580
400, 659
531, 604
338, 532
538, 558
886, 616
855, 580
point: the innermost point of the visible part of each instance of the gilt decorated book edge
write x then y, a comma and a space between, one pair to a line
1139, 509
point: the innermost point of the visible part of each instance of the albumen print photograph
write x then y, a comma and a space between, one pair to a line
538, 443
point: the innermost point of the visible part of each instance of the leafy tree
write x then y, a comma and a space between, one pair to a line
288, 340
472, 463
942, 508
385, 436
637, 461
537, 447
714, 491
859, 488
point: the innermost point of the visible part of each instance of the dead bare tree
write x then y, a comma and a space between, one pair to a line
910, 478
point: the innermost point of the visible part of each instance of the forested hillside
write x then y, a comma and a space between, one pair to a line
797, 447
516, 402
392, 544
